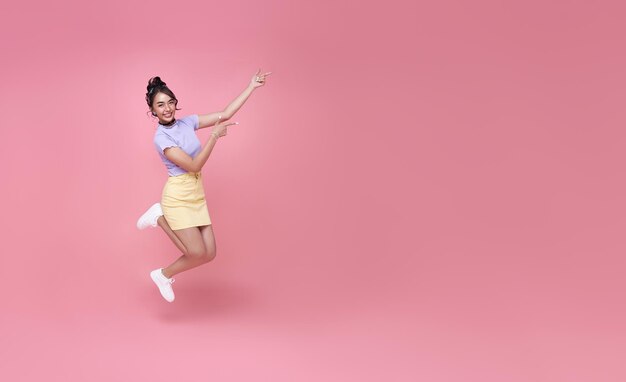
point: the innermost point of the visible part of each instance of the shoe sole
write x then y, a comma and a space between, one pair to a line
142, 218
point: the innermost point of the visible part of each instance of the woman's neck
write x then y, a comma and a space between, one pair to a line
168, 124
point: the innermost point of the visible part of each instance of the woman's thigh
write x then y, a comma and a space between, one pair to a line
209, 241
192, 240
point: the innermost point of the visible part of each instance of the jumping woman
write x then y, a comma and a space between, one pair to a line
183, 213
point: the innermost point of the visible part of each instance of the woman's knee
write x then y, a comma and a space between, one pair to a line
195, 253
210, 254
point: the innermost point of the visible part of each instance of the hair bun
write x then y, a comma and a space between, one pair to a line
156, 86
155, 82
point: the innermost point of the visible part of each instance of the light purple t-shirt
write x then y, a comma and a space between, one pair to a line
181, 134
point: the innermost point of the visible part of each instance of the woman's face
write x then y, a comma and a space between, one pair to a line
164, 106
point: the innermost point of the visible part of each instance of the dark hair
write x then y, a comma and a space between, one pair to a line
155, 85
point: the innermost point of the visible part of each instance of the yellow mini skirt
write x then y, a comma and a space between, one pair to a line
183, 202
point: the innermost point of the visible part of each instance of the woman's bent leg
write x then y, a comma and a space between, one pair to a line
170, 233
191, 238
209, 241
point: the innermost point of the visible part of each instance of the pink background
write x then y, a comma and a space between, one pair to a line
427, 192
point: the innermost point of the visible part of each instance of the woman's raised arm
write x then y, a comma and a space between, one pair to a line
206, 120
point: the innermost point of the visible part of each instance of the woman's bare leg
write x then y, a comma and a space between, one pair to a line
209, 241
170, 233
196, 254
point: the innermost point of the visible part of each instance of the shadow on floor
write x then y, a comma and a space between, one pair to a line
198, 302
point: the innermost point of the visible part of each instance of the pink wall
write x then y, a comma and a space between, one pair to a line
423, 192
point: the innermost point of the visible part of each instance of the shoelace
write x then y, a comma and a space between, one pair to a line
171, 281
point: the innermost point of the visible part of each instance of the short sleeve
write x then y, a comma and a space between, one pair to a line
162, 141
195, 121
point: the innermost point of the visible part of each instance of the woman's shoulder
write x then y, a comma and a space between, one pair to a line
188, 117
190, 120
160, 133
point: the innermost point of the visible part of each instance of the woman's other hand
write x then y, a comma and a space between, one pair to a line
220, 128
259, 79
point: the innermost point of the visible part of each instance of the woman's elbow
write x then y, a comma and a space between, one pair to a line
188, 166
226, 116
191, 168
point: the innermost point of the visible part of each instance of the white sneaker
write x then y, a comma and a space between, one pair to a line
150, 217
164, 284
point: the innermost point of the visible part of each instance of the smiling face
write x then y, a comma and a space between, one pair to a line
164, 107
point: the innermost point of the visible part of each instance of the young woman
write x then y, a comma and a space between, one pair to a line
183, 213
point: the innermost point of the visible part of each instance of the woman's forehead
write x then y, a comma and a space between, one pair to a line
162, 97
